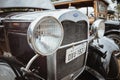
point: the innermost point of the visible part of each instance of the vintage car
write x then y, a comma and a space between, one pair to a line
95, 9
40, 43
101, 61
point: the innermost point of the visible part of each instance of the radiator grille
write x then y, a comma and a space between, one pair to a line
74, 31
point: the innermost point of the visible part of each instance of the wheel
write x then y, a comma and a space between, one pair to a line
113, 69
116, 38
6, 73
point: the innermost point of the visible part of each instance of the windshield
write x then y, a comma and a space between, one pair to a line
19, 4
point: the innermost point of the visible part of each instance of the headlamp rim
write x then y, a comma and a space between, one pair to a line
30, 34
95, 27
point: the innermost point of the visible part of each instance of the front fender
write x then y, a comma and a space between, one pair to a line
107, 47
113, 31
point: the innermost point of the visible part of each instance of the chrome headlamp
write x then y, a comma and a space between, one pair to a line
98, 28
45, 35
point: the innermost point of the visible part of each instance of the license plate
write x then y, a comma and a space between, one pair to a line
74, 52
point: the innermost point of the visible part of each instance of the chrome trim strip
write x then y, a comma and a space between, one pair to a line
24, 34
51, 67
7, 41
1, 26
74, 43
17, 20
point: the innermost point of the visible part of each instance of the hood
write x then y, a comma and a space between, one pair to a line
44, 4
68, 14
